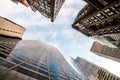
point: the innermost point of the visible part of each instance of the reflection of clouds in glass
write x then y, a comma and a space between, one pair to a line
60, 33
42, 58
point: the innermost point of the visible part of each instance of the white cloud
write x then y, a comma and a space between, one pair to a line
73, 44
55, 44
7, 8
22, 15
76, 2
32, 36
68, 11
68, 34
54, 34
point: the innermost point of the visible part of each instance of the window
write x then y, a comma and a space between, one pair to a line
43, 72
15, 60
102, 17
111, 13
98, 15
29, 66
107, 10
3, 29
93, 27
42, 78
6, 64
43, 67
109, 38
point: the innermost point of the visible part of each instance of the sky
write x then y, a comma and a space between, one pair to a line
60, 33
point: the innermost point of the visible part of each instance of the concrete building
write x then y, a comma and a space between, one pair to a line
100, 19
10, 34
36, 60
92, 71
105, 51
10, 29
48, 8
103, 74
7, 44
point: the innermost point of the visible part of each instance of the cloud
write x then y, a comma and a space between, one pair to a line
22, 15
69, 11
76, 2
7, 8
32, 36
56, 45
68, 34
54, 34
59, 34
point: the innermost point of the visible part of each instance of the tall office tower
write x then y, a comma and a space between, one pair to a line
105, 51
100, 19
36, 60
92, 71
48, 8
10, 29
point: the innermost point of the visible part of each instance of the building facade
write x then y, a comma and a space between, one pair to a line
36, 60
10, 34
7, 45
105, 51
92, 71
100, 18
103, 74
48, 8
10, 29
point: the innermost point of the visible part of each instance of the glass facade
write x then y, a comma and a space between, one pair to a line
88, 69
92, 71
39, 60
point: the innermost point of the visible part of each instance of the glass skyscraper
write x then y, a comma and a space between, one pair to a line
37, 60
91, 71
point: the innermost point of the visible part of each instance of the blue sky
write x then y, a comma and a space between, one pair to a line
60, 34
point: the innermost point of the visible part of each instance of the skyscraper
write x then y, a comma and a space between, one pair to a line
105, 51
38, 60
48, 8
92, 71
100, 20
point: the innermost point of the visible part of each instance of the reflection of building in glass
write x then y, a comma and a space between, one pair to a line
100, 19
38, 60
9, 28
92, 71
48, 8
105, 51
